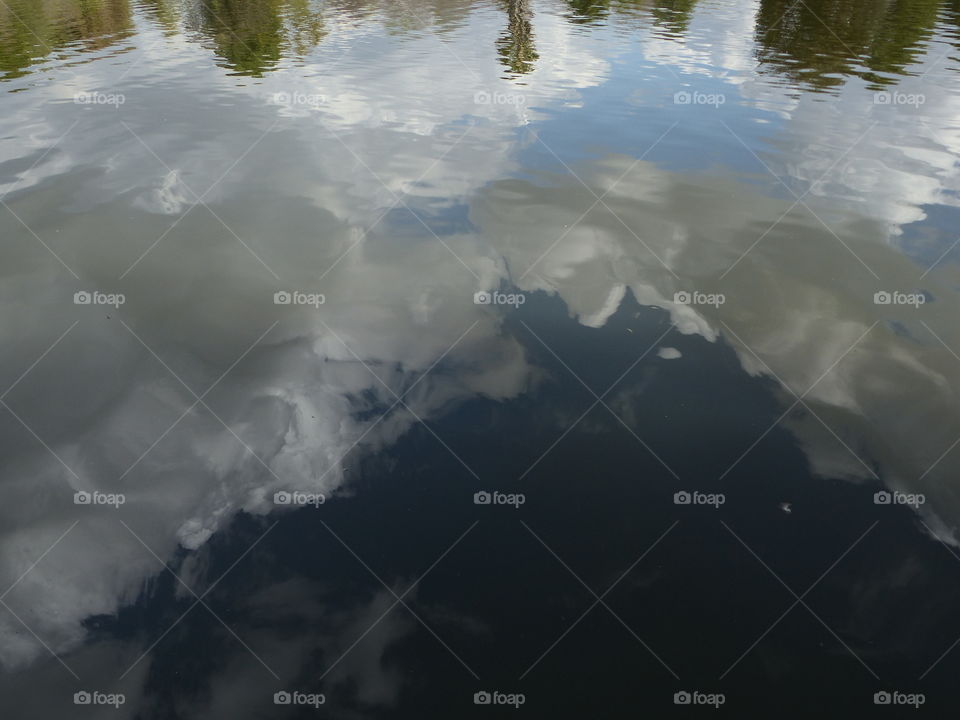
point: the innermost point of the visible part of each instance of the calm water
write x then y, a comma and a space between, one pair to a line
389, 260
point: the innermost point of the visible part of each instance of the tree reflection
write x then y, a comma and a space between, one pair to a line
247, 33
164, 12
588, 12
815, 43
673, 15
515, 46
31, 30
951, 27
818, 42
306, 29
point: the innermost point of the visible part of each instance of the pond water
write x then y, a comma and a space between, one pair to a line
584, 357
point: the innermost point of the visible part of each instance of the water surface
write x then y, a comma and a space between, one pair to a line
719, 241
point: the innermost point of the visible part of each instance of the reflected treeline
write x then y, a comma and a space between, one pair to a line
31, 30
247, 34
252, 36
515, 46
671, 16
818, 42
951, 27
585, 12
163, 13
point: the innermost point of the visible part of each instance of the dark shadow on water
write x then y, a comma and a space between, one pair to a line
307, 606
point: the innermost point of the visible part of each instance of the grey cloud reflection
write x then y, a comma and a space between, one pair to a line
295, 406
298, 401
292, 624
890, 400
